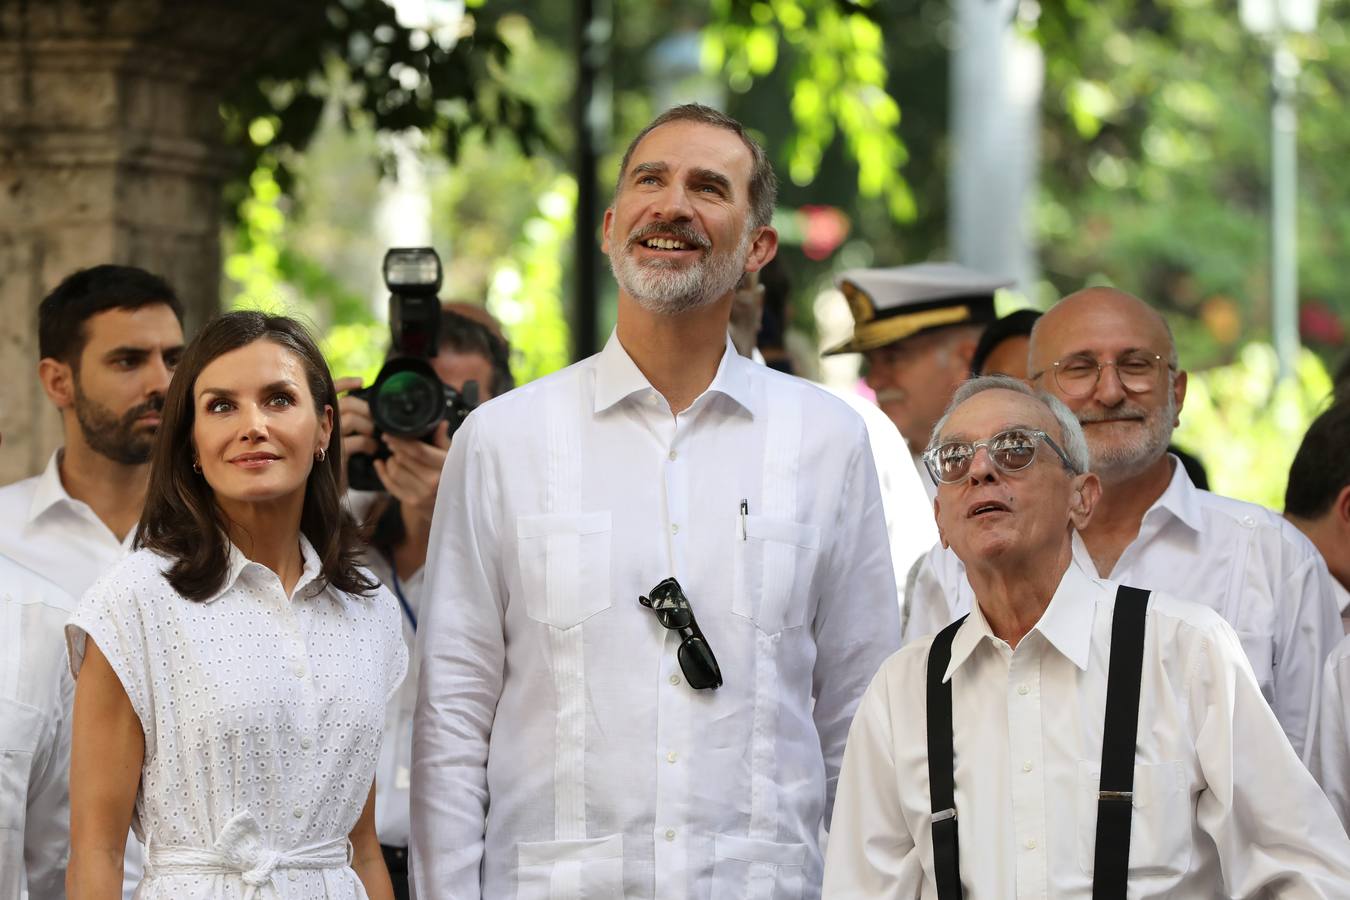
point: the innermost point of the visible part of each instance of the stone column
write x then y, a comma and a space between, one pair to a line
111, 151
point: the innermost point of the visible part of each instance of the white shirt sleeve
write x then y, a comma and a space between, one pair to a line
46, 842
1330, 742
463, 650
1311, 628
871, 852
1285, 840
857, 623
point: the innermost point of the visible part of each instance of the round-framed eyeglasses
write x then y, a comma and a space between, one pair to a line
1078, 373
1009, 451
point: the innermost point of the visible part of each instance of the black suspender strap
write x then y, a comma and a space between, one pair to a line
942, 766
1115, 800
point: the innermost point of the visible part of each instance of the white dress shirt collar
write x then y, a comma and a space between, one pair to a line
49, 489
238, 563
1181, 498
1066, 623
618, 377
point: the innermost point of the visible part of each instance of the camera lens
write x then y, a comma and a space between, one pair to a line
408, 404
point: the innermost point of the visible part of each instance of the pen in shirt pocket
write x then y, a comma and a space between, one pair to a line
745, 511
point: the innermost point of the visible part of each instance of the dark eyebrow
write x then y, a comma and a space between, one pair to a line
713, 177
283, 385
649, 168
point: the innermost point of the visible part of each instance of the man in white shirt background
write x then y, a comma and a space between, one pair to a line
917, 327
36, 691
1317, 498
398, 525
109, 338
1111, 359
1070, 737
570, 737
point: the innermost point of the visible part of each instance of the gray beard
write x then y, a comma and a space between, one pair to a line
670, 290
1126, 460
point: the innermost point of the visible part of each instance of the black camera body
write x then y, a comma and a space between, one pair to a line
408, 399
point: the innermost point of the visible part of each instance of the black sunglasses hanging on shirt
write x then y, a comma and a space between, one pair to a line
696, 658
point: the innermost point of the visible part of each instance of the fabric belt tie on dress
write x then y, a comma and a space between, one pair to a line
240, 850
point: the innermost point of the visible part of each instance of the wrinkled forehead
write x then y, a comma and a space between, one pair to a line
993, 411
694, 146
1101, 324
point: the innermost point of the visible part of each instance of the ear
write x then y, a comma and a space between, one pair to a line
1087, 490
1179, 394
58, 380
325, 427
605, 229
964, 351
763, 248
1340, 509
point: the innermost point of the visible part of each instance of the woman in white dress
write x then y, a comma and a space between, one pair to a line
233, 671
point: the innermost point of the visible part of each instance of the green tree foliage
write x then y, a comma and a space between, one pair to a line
1156, 162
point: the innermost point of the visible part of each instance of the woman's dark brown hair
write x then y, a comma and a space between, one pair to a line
180, 507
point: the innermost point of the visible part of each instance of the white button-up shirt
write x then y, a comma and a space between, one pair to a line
65, 541
55, 535
1241, 560
1330, 761
35, 696
557, 749
1222, 805
262, 715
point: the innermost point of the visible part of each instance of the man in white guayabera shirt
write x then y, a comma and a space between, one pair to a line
1111, 359
109, 338
662, 583
1071, 737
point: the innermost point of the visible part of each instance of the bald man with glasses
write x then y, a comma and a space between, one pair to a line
1111, 359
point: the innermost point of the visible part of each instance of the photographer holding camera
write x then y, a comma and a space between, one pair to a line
444, 361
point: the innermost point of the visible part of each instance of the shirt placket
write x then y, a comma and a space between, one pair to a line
305, 747
674, 707
1027, 767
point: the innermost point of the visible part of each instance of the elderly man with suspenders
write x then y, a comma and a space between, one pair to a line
1070, 737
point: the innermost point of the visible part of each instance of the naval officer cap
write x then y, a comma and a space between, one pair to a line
889, 305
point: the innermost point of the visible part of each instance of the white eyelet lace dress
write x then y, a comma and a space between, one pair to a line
262, 716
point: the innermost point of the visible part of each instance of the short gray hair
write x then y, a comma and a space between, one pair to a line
1073, 441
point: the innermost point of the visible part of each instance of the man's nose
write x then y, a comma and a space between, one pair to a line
982, 468
672, 205
1109, 391
158, 374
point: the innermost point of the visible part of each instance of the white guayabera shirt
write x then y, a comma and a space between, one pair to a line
35, 697
557, 750
64, 540
1222, 805
1258, 572
1330, 762
262, 715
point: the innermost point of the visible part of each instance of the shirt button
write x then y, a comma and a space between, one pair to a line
1026, 766
674, 529
670, 834
1031, 844
673, 455
1023, 690
672, 756
306, 743
298, 813
293, 875
674, 679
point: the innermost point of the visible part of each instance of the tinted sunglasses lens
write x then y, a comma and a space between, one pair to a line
1014, 450
698, 664
953, 462
675, 618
